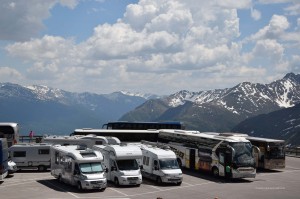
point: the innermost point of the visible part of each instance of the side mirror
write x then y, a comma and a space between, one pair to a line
155, 168
106, 170
76, 172
141, 167
113, 168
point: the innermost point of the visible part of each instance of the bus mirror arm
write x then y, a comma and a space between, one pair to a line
233, 152
258, 151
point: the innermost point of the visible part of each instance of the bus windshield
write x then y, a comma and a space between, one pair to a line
168, 164
276, 150
242, 153
127, 164
87, 168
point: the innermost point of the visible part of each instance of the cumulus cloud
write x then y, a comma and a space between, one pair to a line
157, 42
22, 20
8, 74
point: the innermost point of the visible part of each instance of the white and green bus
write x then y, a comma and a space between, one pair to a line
223, 154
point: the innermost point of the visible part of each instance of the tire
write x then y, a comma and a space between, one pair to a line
79, 187
178, 183
158, 180
41, 168
116, 181
215, 171
102, 189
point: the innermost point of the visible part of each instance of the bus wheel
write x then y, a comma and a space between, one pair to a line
116, 182
215, 171
41, 168
79, 187
179, 162
158, 180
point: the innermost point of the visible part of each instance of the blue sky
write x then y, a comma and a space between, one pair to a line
147, 46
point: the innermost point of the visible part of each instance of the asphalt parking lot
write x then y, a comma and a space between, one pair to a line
267, 184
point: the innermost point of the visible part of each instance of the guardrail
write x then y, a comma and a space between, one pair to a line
28, 139
294, 151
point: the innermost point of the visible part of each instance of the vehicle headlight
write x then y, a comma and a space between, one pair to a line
83, 177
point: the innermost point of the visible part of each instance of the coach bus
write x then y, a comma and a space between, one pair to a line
10, 131
223, 154
123, 135
272, 152
143, 125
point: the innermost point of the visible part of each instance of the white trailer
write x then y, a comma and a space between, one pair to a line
88, 140
78, 166
160, 163
31, 155
121, 163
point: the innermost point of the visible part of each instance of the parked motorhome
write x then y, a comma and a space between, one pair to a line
88, 140
160, 163
121, 163
31, 155
78, 166
3, 158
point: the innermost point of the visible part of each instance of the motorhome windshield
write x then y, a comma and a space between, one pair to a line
168, 164
276, 150
127, 164
88, 168
242, 153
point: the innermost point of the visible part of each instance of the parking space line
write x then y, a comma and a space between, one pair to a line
186, 183
118, 191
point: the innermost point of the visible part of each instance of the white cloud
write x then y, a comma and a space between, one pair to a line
8, 74
22, 20
255, 14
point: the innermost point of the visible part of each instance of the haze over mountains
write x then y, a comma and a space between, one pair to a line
54, 111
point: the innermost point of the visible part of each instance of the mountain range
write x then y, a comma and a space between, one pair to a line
54, 111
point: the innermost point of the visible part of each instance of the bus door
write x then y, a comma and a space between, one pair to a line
192, 158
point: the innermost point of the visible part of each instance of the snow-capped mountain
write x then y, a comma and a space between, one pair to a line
222, 109
50, 109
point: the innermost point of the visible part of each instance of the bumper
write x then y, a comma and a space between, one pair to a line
172, 179
244, 173
130, 180
93, 184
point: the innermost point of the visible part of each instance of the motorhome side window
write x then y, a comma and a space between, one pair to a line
56, 157
146, 160
44, 151
98, 142
19, 154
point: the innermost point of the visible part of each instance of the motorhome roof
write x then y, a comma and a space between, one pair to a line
159, 152
78, 152
263, 139
124, 151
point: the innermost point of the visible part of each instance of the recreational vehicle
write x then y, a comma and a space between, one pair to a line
160, 163
88, 140
3, 158
78, 166
121, 163
31, 155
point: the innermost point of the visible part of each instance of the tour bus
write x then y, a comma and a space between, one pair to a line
272, 152
3, 158
143, 125
86, 140
10, 131
223, 154
123, 135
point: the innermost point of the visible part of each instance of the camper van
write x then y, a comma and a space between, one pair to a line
31, 155
3, 158
78, 166
121, 163
88, 140
160, 163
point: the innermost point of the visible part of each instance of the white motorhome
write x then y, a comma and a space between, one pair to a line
160, 163
31, 155
88, 140
121, 162
78, 166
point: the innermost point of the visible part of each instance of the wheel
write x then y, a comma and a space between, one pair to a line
79, 187
178, 183
41, 168
158, 180
116, 182
215, 171
102, 189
